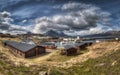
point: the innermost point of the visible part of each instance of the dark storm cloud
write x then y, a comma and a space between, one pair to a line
85, 17
6, 26
73, 17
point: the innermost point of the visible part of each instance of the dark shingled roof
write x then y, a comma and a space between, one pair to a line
73, 45
47, 44
20, 46
80, 44
69, 46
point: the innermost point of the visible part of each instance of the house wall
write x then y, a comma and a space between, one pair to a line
15, 51
68, 52
41, 49
50, 47
71, 51
35, 51
30, 53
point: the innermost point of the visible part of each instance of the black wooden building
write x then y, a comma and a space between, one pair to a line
23, 49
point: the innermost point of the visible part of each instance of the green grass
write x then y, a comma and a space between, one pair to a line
105, 65
99, 66
8, 68
59, 58
62, 58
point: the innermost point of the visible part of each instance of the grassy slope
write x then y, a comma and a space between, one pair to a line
105, 65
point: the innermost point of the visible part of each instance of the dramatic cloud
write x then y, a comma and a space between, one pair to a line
7, 27
94, 30
74, 6
71, 17
75, 17
5, 17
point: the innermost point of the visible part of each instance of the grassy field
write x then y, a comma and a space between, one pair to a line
57, 57
100, 59
105, 65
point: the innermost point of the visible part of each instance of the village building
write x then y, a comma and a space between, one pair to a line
23, 49
48, 45
28, 41
72, 49
83, 45
69, 50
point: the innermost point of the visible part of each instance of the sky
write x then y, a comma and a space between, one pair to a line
71, 17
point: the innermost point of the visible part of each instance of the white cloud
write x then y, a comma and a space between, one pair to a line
7, 27
73, 19
73, 6
5, 13
84, 17
5, 17
93, 30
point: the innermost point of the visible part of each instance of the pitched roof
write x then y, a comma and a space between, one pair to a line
69, 46
73, 45
20, 46
80, 44
47, 43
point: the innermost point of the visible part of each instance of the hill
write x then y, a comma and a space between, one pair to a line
99, 59
105, 34
105, 65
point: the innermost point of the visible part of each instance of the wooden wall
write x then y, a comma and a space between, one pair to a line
30, 53
15, 51
35, 51
68, 52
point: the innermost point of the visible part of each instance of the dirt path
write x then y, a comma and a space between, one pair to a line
43, 57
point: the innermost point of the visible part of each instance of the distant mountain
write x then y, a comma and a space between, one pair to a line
53, 33
109, 33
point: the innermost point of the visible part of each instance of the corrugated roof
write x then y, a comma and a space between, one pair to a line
21, 46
